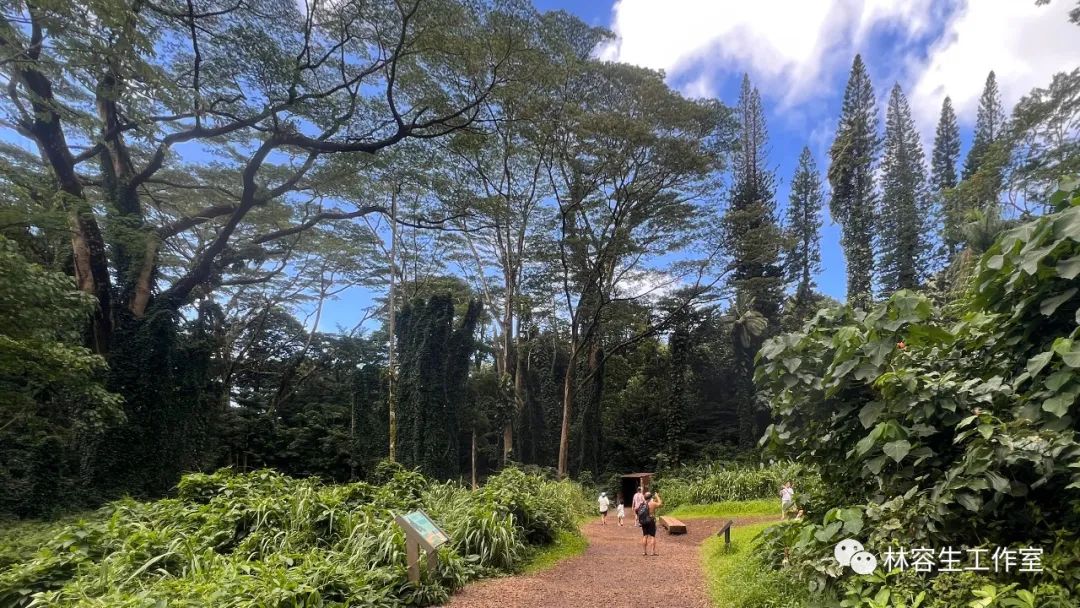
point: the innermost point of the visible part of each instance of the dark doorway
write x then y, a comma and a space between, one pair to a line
630, 485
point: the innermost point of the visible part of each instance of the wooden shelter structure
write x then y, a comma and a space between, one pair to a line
629, 485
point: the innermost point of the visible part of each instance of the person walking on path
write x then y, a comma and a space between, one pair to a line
647, 518
787, 500
604, 504
638, 499
620, 510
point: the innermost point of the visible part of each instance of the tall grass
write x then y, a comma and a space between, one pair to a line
267, 540
720, 482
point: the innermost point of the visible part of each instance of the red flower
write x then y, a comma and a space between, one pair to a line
901, 345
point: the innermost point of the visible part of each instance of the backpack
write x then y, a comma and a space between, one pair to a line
642, 513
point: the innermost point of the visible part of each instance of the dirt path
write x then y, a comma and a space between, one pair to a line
611, 572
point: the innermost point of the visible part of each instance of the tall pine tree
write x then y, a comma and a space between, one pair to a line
903, 240
943, 176
751, 230
851, 175
754, 240
803, 256
989, 125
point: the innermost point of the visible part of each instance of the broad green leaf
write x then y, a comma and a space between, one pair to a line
870, 413
1038, 362
792, 363
1058, 379
971, 502
874, 465
986, 430
1049, 305
999, 483
1058, 405
1070, 268
897, 449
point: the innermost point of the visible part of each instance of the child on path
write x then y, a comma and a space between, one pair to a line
603, 503
620, 511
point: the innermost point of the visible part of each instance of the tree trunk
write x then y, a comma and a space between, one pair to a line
473, 458
391, 397
568, 400
505, 371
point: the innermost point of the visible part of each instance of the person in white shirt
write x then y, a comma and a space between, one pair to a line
787, 500
620, 510
604, 503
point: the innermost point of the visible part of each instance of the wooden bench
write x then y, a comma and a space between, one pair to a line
672, 525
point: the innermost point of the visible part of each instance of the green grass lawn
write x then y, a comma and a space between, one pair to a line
735, 580
567, 544
742, 508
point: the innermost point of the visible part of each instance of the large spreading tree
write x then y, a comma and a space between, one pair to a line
192, 148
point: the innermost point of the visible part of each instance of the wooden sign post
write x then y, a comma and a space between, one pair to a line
726, 531
420, 533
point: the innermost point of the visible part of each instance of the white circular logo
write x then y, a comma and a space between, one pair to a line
845, 549
863, 562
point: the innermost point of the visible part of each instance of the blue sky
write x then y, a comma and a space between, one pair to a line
798, 53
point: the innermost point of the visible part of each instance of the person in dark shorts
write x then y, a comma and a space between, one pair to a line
648, 526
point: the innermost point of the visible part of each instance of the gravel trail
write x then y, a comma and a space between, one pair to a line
611, 572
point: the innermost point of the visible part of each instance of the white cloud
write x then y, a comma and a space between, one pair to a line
785, 44
800, 50
1024, 44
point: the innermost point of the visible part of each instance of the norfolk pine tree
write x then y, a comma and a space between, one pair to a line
803, 257
751, 232
903, 239
851, 175
989, 125
754, 241
943, 176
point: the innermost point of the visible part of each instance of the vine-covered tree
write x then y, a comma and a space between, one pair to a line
904, 241
851, 175
802, 259
433, 382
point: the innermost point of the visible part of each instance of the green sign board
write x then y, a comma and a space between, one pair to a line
423, 529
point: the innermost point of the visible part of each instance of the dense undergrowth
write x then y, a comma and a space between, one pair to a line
943, 429
267, 540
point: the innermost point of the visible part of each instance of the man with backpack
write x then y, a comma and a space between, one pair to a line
646, 516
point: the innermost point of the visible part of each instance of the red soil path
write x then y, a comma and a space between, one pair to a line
611, 572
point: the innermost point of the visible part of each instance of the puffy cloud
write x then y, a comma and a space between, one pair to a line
787, 45
1024, 44
800, 50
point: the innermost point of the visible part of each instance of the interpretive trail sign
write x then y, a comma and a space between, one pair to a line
420, 533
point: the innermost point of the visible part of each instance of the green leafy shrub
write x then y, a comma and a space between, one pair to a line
264, 539
943, 428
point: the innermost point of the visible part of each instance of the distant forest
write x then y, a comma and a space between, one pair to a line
575, 265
